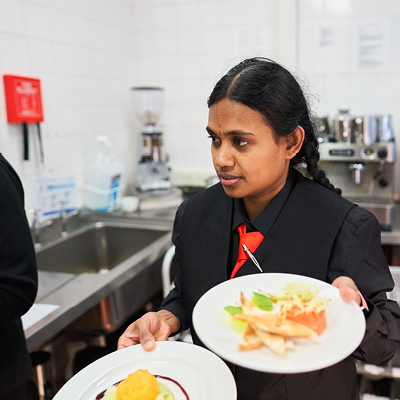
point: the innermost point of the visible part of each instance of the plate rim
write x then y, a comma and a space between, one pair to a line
277, 370
79, 379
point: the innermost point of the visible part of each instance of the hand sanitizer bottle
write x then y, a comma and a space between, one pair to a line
104, 180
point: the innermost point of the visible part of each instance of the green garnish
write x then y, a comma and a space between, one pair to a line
276, 296
233, 310
261, 301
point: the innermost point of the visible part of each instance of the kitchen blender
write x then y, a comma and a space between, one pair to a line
153, 171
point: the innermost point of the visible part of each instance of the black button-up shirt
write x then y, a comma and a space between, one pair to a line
262, 223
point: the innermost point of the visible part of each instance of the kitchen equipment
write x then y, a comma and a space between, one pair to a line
343, 126
364, 129
365, 173
153, 170
369, 129
358, 130
324, 129
384, 128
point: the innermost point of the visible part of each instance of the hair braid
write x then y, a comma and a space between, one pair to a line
310, 155
311, 158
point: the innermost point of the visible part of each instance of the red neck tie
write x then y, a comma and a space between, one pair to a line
252, 240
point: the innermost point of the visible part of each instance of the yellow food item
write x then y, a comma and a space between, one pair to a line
141, 385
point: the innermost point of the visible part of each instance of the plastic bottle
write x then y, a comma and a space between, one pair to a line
104, 181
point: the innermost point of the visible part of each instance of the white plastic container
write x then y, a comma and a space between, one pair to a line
104, 181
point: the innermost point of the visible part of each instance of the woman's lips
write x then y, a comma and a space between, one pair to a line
228, 180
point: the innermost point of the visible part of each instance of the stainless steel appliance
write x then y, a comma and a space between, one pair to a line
365, 173
343, 126
153, 171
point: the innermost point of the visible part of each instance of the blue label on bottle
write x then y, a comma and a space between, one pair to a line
112, 199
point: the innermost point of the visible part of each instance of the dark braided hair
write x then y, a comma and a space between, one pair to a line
265, 86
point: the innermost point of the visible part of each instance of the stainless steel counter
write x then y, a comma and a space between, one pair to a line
77, 293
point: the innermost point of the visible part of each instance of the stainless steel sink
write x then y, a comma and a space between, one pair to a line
96, 248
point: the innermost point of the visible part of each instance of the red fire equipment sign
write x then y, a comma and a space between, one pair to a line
23, 99
24, 105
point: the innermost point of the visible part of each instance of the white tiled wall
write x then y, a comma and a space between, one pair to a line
88, 53
363, 92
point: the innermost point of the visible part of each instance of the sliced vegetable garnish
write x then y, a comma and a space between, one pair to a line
277, 296
262, 302
233, 310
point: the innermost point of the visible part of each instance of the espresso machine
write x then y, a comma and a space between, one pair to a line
360, 159
153, 172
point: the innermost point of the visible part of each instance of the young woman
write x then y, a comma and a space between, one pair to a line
260, 129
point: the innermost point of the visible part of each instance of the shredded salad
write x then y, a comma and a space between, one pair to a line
302, 298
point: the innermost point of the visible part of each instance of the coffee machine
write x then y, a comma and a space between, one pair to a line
153, 172
363, 165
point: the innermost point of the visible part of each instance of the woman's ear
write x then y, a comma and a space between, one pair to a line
294, 142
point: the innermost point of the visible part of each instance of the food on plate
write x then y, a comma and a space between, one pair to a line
254, 337
274, 323
297, 311
141, 385
303, 304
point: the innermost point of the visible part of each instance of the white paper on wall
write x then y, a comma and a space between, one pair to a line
371, 45
331, 47
252, 41
51, 193
394, 31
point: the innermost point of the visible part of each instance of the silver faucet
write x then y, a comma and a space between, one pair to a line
37, 226
64, 216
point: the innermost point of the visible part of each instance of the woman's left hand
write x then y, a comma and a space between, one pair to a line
348, 289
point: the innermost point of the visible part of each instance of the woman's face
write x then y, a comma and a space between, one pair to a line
250, 162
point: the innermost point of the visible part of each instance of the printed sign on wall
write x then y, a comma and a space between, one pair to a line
23, 99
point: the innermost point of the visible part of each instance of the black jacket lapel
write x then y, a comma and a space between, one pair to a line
287, 247
205, 240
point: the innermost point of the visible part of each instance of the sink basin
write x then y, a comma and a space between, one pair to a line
96, 248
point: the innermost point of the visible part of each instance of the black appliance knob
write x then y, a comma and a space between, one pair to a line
382, 153
383, 182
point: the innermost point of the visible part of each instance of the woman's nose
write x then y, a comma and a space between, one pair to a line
223, 157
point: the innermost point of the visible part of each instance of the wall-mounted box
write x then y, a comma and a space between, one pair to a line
23, 99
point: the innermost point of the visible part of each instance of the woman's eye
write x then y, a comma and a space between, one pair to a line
214, 140
240, 142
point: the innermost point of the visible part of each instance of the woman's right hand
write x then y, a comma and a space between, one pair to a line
151, 327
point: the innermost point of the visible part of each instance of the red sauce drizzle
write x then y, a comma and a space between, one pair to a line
101, 395
176, 383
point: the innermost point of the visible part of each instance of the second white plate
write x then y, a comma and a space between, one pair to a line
344, 332
201, 373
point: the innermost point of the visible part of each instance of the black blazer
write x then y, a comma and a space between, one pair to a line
18, 280
300, 242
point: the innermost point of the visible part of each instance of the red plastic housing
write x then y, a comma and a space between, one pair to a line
23, 99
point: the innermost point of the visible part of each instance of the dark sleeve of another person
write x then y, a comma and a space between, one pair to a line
18, 273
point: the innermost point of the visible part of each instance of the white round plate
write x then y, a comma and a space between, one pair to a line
201, 373
343, 334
